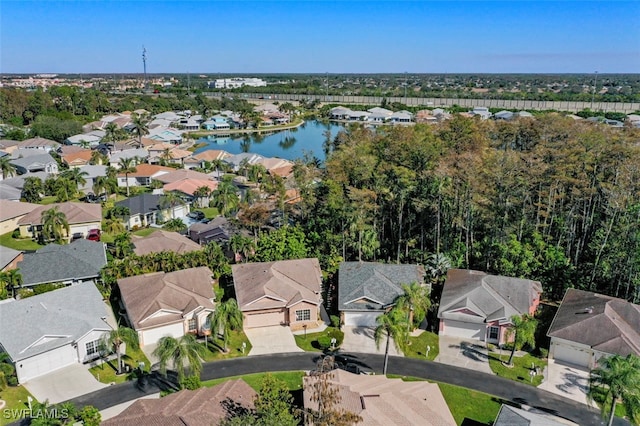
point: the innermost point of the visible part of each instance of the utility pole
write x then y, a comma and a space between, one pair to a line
144, 65
405, 87
593, 94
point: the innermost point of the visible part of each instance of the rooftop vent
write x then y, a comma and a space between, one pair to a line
588, 310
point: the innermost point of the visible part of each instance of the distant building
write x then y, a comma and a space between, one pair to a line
235, 82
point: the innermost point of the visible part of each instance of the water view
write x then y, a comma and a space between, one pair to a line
288, 144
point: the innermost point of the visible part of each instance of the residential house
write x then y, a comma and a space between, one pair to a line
188, 188
189, 124
39, 143
482, 112
476, 305
368, 289
381, 401
53, 330
9, 259
9, 193
208, 406
379, 115
159, 241
512, 416
150, 209
138, 155
274, 163
143, 175
178, 156
158, 151
78, 158
400, 117
90, 139
8, 145
81, 217
218, 230
73, 263
238, 160
285, 292
11, 212
181, 174
339, 113
504, 115
168, 304
524, 114
589, 326
92, 172
426, 116
36, 163
166, 134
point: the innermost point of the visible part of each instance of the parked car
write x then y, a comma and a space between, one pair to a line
93, 235
77, 236
196, 215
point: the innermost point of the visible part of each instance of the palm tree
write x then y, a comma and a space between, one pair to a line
116, 337
32, 189
111, 132
225, 318
126, 166
97, 158
12, 280
7, 168
184, 353
201, 193
139, 123
170, 200
65, 189
393, 325
239, 244
523, 330
53, 223
75, 175
617, 379
416, 302
225, 197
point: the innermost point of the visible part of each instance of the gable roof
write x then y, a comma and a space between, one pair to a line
13, 209
604, 323
33, 160
159, 241
38, 142
377, 284
490, 297
148, 170
176, 175
382, 401
212, 154
201, 407
189, 186
74, 212
47, 321
7, 255
512, 416
82, 259
177, 292
277, 284
78, 157
143, 203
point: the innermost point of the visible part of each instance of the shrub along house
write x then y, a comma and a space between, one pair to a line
476, 305
285, 292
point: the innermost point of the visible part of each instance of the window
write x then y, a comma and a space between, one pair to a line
303, 315
493, 333
193, 324
92, 347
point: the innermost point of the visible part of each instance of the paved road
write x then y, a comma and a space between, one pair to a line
502, 388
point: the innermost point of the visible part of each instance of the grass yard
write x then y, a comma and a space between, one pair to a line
234, 344
293, 379
21, 244
521, 367
209, 212
144, 232
468, 404
106, 372
16, 399
309, 342
418, 346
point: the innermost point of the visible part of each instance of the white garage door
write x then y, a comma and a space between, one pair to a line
464, 329
361, 319
39, 365
150, 337
571, 355
263, 319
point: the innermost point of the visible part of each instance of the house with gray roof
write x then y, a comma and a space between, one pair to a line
43, 144
149, 209
589, 326
10, 193
512, 416
285, 292
159, 241
9, 258
72, 263
36, 163
168, 304
476, 305
219, 229
53, 330
368, 289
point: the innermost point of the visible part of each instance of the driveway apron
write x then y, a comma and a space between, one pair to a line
360, 339
464, 353
271, 340
566, 380
64, 384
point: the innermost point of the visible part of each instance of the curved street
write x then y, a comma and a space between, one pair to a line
504, 389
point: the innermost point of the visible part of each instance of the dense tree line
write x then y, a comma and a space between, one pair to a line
548, 199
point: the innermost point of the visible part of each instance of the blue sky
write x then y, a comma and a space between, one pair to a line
317, 37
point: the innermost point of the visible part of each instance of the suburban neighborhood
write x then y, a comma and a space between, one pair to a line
155, 251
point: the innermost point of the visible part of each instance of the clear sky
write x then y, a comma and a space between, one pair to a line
316, 37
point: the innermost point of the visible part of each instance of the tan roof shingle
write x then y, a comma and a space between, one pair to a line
74, 212
163, 241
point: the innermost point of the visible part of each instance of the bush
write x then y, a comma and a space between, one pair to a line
336, 334
324, 342
543, 352
16, 234
335, 321
191, 383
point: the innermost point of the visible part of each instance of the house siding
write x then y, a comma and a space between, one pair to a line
299, 325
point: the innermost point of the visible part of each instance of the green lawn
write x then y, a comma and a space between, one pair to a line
468, 404
293, 379
309, 342
418, 346
520, 369
16, 399
144, 232
18, 244
236, 338
106, 372
209, 212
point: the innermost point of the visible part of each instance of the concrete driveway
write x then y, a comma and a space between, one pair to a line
66, 383
566, 380
271, 340
360, 339
464, 353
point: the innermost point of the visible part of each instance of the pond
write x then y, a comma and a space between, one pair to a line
288, 144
